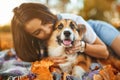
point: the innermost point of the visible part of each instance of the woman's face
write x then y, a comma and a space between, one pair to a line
37, 29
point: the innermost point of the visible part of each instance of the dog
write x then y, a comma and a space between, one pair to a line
65, 33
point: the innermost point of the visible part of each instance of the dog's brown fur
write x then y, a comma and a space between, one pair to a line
56, 48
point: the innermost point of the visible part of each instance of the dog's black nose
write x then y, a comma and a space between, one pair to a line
67, 33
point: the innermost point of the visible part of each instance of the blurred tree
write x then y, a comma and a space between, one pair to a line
88, 6
96, 9
61, 6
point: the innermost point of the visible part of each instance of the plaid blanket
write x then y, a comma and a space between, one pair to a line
11, 67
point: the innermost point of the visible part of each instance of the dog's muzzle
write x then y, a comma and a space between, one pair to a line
66, 38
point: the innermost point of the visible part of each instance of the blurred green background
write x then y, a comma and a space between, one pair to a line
106, 10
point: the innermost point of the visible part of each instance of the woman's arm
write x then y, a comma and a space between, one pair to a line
98, 49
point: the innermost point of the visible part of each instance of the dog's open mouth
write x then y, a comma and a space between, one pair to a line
67, 42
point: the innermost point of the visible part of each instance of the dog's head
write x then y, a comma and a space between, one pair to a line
67, 31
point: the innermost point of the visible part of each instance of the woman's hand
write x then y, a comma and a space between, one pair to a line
78, 46
58, 60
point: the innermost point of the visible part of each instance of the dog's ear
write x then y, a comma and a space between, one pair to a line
81, 28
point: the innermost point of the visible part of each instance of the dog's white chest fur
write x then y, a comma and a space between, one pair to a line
60, 51
67, 67
56, 51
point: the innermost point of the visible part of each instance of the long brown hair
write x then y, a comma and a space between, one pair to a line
26, 46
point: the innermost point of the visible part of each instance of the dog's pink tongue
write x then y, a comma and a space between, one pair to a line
67, 42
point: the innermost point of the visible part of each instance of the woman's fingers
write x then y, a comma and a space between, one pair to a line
77, 43
72, 50
58, 60
69, 51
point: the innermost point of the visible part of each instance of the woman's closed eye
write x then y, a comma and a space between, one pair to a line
36, 32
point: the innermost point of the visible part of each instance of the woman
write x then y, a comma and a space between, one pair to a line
33, 23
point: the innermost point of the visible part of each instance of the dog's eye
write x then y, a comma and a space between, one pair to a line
60, 26
72, 25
